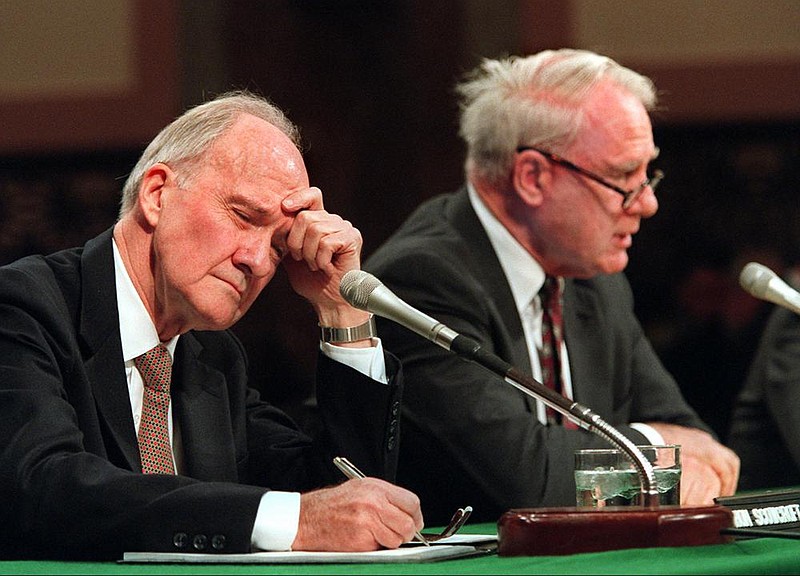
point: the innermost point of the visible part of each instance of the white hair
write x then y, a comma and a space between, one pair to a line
185, 140
535, 100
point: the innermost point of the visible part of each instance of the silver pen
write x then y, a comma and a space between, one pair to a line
349, 470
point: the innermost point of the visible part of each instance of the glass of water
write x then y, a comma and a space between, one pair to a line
607, 477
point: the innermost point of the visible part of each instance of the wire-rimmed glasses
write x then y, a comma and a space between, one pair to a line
456, 522
628, 196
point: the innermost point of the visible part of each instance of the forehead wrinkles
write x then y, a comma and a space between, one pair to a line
253, 149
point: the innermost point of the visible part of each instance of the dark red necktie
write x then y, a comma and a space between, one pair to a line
552, 295
155, 365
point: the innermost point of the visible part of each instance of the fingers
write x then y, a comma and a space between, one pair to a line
322, 247
396, 526
698, 448
700, 483
403, 517
728, 467
722, 460
303, 199
408, 503
697, 494
361, 514
396, 509
318, 237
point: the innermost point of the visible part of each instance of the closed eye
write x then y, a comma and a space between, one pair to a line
243, 216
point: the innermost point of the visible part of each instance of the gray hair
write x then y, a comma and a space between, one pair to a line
184, 141
534, 101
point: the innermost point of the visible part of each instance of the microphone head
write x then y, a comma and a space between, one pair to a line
356, 287
755, 278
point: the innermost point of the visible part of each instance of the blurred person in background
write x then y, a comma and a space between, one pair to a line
765, 424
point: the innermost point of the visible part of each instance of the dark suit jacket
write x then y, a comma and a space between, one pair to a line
70, 481
469, 438
765, 424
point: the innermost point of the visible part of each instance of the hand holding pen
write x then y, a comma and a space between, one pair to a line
456, 522
349, 470
357, 516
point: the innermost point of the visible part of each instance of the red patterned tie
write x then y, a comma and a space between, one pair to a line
156, 368
552, 295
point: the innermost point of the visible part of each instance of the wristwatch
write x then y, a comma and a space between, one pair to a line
352, 334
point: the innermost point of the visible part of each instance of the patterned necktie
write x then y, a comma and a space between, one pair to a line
155, 365
552, 295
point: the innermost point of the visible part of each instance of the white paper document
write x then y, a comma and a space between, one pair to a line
457, 546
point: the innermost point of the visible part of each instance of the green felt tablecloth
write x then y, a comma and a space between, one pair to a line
756, 556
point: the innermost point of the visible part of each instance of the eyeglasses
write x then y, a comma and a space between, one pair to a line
628, 196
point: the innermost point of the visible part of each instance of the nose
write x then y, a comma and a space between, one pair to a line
645, 205
253, 258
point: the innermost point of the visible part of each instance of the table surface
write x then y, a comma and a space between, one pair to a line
753, 556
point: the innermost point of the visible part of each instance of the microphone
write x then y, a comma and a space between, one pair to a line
364, 291
764, 284
567, 530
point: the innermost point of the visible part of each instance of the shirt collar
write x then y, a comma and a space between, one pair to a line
136, 328
525, 275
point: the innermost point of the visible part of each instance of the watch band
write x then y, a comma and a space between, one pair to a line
352, 334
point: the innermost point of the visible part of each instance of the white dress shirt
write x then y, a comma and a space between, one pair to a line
278, 513
525, 278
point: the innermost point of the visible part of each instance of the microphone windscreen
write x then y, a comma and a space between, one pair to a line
755, 279
356, 287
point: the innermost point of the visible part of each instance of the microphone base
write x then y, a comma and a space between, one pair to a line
561, 531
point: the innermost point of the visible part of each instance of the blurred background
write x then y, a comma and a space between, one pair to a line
85, 84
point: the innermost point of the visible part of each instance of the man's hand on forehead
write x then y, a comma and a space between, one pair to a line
303, 199
322, 248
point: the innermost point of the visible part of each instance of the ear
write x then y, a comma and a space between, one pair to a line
532, 173
153, 184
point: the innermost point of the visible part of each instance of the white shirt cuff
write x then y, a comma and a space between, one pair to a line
649, 432
277, 520
368, 361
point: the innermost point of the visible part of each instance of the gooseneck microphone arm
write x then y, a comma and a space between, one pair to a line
365, 292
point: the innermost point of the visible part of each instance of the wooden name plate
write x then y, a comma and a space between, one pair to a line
560, 531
